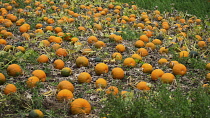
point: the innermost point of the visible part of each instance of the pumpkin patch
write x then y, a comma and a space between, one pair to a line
102, 58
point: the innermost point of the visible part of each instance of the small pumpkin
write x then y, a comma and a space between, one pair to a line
101, 68
208, 77
43, 59
10, 88
14, 70
143, 86
92, 39
40, 74
112, 90
147, 68
58, 64
101, 83
84, 77
65, 85
208, 66
117, 56
61, 52
82, 61
66, 71
118, 73
80, 106
2, 79
156, 74
167, 78
179, 69
36, 113
64, 94
32, 81
129, 62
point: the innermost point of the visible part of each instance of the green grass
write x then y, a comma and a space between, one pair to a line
162, 103
194, 7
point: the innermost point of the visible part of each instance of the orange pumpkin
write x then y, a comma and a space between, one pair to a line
101, 68
42, 59
84, 77
32, 81
2, 79
40, 74
143, 86
82, 61
65, 85
80, 106
179, 69
64, 94
10, 88
58, 64
14, 70
129, 62
101, 83
112, 90
118, 73
61, 52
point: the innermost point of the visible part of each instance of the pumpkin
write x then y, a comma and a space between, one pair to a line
208, 77
66, 71
167, 78
144, 38
40, 74
82, 61
208, 66
64, 94
61, 52
118, 73
84, 77
129, 62
179, 69
58, 64
120, 48
65, 85
143, 86
101, 68
42, 59
10, 88
36, 113
32, 81
2, 79
101, 83
92, 39
147, 68
156, 74
80, 106
112, 90
14, 70
117, 56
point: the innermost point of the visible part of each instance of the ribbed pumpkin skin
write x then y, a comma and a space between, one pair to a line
118, 73
10, 88
101, 68
82, 61
14, 70
66, 85
84, 77
64, 94
80, 106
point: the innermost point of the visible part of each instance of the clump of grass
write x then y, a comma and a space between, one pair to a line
160, 103
195, 7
